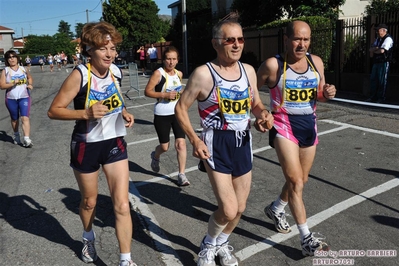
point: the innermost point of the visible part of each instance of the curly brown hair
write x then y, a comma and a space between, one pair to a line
96, 34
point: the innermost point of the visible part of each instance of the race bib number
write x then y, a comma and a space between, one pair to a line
300, 95
177, 97
176, 88
114, 103
235, 105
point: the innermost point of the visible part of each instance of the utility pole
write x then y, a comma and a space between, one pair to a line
184, 22
87, 15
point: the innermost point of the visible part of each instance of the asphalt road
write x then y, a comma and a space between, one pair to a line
351, 197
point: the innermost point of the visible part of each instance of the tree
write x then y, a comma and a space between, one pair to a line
62, 42
65, 28
260, 12
38, 45
137, 21
48, 44
381, 6
328, 9
78, 29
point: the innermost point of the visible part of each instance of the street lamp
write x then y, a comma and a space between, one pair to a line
184, 22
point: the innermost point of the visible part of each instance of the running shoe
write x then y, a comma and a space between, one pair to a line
206, 257
182, 180
17, 140
89, 253
226, 258
28, 143
279, 220
154, 163
127, 263
312, 243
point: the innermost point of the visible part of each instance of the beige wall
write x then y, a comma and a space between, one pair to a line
353, 8
6, 42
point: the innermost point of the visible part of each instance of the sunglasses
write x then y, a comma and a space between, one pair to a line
231, 40
12, 56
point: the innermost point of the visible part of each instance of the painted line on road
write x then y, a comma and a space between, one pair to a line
161, 242
390, 106
385, 133
138, 106
316, 219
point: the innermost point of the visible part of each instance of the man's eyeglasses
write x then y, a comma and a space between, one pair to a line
12, 56
231, 40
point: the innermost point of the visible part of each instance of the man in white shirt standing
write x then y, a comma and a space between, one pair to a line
153, 54
381, 53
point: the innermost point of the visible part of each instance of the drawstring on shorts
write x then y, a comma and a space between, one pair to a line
239, 136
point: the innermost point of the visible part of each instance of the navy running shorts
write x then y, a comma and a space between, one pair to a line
87, 157
230, 151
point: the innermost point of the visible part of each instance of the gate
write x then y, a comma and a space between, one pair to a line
134, 82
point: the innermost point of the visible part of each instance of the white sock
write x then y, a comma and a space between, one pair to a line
303, 230
125, 256
222, 238
279, 205
210, 240
88, 235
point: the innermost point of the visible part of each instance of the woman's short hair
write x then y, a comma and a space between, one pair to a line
97, 34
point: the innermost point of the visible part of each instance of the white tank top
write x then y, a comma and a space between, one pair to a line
20, 90
171, 83
112, 125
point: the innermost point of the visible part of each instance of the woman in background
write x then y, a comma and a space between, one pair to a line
18, 83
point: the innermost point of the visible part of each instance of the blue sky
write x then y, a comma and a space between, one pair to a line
42, 17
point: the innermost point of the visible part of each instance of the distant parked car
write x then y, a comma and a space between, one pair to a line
2, 63
35, 60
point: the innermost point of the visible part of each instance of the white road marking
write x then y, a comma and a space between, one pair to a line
390, 106
161, 242
316, 219
141, 105
385, 133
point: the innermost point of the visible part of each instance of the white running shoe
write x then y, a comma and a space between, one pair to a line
89, 253
28, 143
206, 257
312, 243
279, 220
226, 258
127, 263
182, 180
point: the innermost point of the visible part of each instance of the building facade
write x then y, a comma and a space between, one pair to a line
6, 39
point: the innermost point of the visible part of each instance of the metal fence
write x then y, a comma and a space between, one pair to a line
134, 83
350, 40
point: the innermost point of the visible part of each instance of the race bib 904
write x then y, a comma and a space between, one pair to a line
235, 106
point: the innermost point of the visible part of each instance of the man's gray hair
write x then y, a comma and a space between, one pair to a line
217, 29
